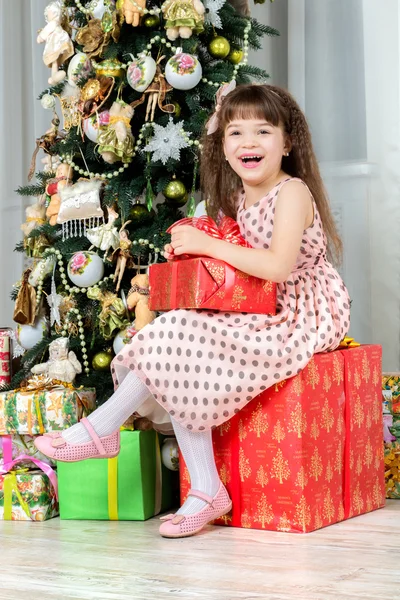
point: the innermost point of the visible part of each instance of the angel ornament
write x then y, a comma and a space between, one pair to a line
62, 365
105, 236
123, 255
59, 46
156, 93
183, 17
115, 140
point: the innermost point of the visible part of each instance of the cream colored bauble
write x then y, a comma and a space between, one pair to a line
170, 454
141, 72
125, 334
79, 66
92, 124
85, 269
183, 71
29, 335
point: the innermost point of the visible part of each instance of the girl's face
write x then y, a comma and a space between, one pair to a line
254, 149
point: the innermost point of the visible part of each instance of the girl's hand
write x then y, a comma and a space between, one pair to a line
168, 252
189, 240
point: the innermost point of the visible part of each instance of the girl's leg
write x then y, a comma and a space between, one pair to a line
113, 413
197, 450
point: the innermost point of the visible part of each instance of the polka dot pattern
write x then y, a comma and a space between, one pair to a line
202, 367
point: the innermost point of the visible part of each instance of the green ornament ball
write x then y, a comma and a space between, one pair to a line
219, 47
175, 191
101, 361
177, 112
235, 56
151, 21
139, 214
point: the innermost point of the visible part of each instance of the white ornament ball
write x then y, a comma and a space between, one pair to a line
92, 124
141, 72
183, 71
79, 66
170, 454
29, 335
85, 269
48, 101
126, 333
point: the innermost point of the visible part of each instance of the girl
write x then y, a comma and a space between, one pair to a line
202, 367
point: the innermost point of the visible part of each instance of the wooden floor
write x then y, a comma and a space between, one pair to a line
92, 560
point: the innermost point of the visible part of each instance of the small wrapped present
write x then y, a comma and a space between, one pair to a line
28, 495
134, 486
5, 355
307, 452
13, 446
391, 432
207, 283
43, 406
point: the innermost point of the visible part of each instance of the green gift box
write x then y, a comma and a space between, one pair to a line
134, 486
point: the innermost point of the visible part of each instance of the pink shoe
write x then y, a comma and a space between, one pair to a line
178, 526
56, 447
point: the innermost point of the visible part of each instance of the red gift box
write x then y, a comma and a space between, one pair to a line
308, 452
5, 355
209, 283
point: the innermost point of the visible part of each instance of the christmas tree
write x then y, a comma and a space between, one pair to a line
131, 87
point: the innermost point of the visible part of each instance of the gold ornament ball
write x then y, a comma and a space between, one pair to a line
177, 112
219, 47
139, 213
101, 361
175, 191
111, 67
151, 21
235, 56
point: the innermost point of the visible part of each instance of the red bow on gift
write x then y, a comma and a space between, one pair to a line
228, 230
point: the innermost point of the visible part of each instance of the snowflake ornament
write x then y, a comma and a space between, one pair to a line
212, 15
167, 142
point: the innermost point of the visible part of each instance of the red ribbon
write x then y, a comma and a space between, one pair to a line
228, 230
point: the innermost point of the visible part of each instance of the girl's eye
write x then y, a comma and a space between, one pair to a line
264, 131
235, 133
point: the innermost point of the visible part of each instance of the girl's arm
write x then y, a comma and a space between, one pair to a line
293, 214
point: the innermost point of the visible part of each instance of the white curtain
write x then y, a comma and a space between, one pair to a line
22, 77
340, 58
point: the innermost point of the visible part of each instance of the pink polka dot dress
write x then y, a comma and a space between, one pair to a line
203, 366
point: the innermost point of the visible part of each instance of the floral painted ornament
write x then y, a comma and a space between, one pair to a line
183, 71
141, 72
85, 269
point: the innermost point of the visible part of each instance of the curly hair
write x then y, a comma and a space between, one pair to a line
219, 182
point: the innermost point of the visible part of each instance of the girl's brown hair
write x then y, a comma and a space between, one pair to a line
221, 184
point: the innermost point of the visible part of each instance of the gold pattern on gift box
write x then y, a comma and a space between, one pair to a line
368, 503
329, 508
340, 424
262, 476
280, 467
358, 413
242, 431
359, 466
327, 418
279, 385
224, 427
258, 421
301, 478
375, 376
376, 494
351, 459
338, 375
357, 379
298, 421
264, 513
368, 454
245, 520
238, 297
327, 382
368, 420
314, 429
298, 385
244, 466
329, 472
376, 411
378, 461
284, 523
56, 402
224, 474
340, 514
366, 369
316, 467
312, 374
242, 276
278, 433
186, 476
302, 516
226, 518
318, 523
357, 500
217, 271
267, 286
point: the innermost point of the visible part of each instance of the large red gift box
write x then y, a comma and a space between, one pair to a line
207, 283
308, 452
5, 356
